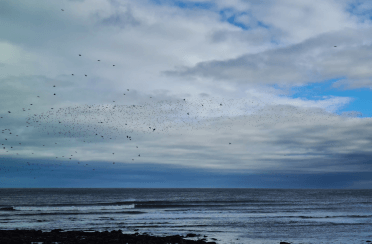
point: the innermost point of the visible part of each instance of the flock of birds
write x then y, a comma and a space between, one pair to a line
76, 123
110, 122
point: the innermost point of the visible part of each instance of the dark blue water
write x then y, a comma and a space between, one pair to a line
229, 215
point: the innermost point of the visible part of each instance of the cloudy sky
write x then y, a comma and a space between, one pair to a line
192, 93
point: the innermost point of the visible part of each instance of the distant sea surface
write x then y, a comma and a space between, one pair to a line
230, 215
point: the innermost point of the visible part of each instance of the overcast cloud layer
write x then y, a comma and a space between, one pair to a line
204, 85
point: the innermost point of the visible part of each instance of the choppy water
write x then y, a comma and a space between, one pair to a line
230, 215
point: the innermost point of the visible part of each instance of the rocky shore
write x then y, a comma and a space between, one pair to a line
82, 237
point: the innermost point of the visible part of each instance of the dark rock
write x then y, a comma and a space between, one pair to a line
81, 237
7, 209
56, 231
283, 242
191, 235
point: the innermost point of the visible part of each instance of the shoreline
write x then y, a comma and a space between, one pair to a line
86, 237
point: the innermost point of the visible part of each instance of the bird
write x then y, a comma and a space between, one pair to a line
85, 75
229, 143
113, 65
98, 60
335, 46
62, 10
72, 74
79, 54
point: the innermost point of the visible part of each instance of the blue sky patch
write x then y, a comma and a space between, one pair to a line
319, 91
186, 5
228, 15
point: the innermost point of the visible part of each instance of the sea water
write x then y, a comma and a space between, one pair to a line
229, 215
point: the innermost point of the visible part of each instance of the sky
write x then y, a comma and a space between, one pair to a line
192, 93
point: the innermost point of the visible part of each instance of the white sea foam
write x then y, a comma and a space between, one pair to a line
75, 208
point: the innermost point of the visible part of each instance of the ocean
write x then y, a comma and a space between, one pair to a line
229, 215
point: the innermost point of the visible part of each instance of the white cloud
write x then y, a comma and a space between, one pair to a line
212, 63
313, 60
